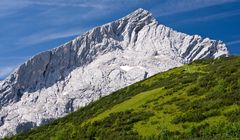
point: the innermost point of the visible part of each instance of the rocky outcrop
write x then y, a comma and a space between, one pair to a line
104, 59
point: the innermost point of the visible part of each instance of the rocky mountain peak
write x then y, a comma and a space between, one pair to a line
102, 60
139, 15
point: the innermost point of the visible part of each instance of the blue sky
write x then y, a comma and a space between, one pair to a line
28, 27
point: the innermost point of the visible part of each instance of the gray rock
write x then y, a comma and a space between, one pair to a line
102, 60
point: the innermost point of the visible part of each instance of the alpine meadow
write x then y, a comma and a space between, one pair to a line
196, 101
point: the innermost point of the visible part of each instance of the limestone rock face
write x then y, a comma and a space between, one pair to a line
102, 60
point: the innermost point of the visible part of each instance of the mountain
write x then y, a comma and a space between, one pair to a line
102, 60
200, 100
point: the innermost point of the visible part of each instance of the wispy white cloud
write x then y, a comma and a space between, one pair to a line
96, 8
13, 4
4, 71
171, 7
8, 7
11, 58
9, 64
234, 42
46, 36
210, 17
165, 8
69, 3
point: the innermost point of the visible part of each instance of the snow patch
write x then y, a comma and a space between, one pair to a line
65, 93
142, 68
126, 68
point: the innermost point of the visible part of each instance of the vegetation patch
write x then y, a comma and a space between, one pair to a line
200, 100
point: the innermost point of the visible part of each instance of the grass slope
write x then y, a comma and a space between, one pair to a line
197, 101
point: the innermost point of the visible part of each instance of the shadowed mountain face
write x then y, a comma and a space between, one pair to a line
102, 60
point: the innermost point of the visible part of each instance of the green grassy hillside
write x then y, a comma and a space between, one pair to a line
197, 101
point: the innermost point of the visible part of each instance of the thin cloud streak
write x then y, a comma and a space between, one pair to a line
211, 17
12, 4
8, 7
68, 4
172, 7
46, 36
5, 71
235, 42
14, 58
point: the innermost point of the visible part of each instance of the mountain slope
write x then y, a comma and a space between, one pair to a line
104, 59
199, 100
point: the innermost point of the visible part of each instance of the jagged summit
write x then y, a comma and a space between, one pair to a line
140, 11
139, 14
102, 60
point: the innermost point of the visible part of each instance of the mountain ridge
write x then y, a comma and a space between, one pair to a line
60, 80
